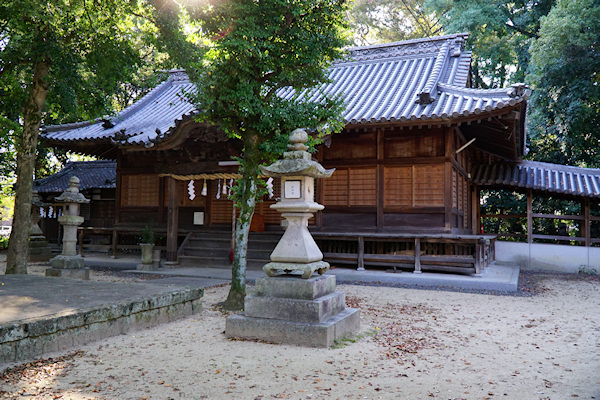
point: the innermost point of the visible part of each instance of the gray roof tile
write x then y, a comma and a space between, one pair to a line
91, 174
554, 178
422, 79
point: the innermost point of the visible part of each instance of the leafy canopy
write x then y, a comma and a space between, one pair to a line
258, 48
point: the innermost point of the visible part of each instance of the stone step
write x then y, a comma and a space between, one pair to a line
323, 334
314, 311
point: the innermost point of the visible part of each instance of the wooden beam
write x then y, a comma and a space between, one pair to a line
172, 221
475, 210
449, 142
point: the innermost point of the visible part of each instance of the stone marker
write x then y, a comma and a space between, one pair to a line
290, 308
70, 264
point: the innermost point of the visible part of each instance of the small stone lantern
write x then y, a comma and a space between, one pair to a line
38, 245
297, 250
69, 263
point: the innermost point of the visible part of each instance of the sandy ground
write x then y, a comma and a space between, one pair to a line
414, 344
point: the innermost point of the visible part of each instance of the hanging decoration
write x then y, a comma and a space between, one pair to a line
42, 212
224, 187
219, 190
230, 186
270, 187
50, 212
204, 190
191, 190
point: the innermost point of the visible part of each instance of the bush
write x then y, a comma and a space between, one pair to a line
3, 243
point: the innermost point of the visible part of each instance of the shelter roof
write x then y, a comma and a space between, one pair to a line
562, 179
414, 80
91, 174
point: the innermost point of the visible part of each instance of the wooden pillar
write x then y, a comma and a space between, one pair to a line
586, 228
161, 200
380, 178
475, 210
529, 216
115, 238
417, 256
449, 142
361, 253
172, 221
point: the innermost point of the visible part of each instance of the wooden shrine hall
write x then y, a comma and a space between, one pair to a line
402, 194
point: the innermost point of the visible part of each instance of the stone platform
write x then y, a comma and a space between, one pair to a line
45, 314
290, 310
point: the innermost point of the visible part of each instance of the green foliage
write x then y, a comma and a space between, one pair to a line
99, 53
3, 243
565, 107
391, 20
147, 235
501, 33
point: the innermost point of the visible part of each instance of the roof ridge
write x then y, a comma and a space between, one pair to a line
406, 47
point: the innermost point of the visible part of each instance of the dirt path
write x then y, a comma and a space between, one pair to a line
414, 344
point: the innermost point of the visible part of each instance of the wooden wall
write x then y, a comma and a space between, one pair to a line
404, 180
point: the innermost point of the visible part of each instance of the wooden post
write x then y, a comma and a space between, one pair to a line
475, 210
172, 221
115, 239
478, 257
586, 229
417, 256
361, 253
449, 152
161, 200
380, 178
81, 242
529, 216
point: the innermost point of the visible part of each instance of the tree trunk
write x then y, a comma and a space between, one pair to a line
18, 244
247, 203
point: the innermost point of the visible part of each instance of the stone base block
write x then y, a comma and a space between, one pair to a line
277, 268
147, 267
289, 286
321, 334
83, 273
67, 262
313, 311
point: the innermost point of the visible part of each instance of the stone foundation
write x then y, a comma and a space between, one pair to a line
290, 310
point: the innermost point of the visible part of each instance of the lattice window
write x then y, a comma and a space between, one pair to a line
363, 186
335, 189
428, 185
398, 186
139, 190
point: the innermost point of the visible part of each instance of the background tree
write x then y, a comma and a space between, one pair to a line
564, 117
385, 21
60, 62
255, 49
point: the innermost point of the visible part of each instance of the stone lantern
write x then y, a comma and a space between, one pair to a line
38, 245
297, 250
285, 308
69, 263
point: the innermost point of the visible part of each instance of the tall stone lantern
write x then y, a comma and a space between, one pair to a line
285, 308
69, 263
297, 250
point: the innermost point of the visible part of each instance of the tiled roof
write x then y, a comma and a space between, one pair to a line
147, 120
422, 79
546, 177
91, 174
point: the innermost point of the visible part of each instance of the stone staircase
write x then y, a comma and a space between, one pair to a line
212, 249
